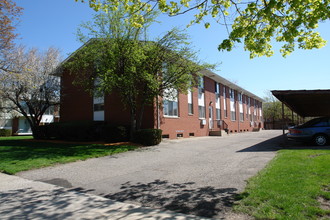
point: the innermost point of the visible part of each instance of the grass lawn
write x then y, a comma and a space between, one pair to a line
295, 185
19, 153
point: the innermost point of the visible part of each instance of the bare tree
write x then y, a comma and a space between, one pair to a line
30, 88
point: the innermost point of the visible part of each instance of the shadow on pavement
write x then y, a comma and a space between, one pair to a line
32, 204
29, 203
273, 144
293, 145
281, 142
178, 197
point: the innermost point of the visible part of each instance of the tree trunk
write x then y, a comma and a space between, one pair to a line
140, 118
35, 132
133, 124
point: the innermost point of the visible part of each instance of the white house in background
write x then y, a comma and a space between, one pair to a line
19, 124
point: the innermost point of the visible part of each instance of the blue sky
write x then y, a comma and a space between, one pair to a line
46, 23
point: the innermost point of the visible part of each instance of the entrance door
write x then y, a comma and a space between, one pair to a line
210, 117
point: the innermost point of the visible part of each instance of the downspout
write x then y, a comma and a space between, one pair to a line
283, 127
158, 119
239, 113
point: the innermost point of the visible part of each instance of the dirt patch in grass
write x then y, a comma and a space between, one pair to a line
316, 155
238, 216
324, 203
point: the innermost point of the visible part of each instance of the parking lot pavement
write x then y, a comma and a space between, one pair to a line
198, 176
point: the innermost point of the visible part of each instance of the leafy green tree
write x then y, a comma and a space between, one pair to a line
272, 110
255, 23
121, 59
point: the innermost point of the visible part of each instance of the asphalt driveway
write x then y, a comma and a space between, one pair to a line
198, 176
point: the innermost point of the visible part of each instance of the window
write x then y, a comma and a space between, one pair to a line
218, 114
190, 109
250, 110
232, 105
231, 93
201, 111
241, 116
240, 97
233, 115
217, 88
170, 103
165, 71
170, 108
99, 107
240, 106
247, 107
201, 82
322, 123
224, 101
190, 102
217, 101
98, 103
255, 110
201, 100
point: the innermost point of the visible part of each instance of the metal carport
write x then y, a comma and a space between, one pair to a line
306, 103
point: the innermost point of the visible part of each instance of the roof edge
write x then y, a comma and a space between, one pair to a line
232, 85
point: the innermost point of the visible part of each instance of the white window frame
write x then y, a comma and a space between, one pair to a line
217, 102
190, 102
232, 105
224, 93
201, 106
98, 104
170, 108
201, 99
170, 103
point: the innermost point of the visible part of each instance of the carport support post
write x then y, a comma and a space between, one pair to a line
283, 118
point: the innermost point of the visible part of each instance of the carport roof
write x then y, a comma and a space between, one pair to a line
306, 102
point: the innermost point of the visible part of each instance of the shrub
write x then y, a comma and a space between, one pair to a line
83, 131
5, 132
114, 133
40, 132
148, 137
77, 131
74, 131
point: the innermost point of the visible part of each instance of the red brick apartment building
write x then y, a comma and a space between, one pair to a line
215, 106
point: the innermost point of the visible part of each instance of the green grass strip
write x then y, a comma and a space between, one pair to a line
292, 186
19, 154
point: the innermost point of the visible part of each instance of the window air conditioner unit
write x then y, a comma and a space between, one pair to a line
203, 122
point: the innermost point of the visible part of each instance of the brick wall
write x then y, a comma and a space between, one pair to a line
186, 125
76, 104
